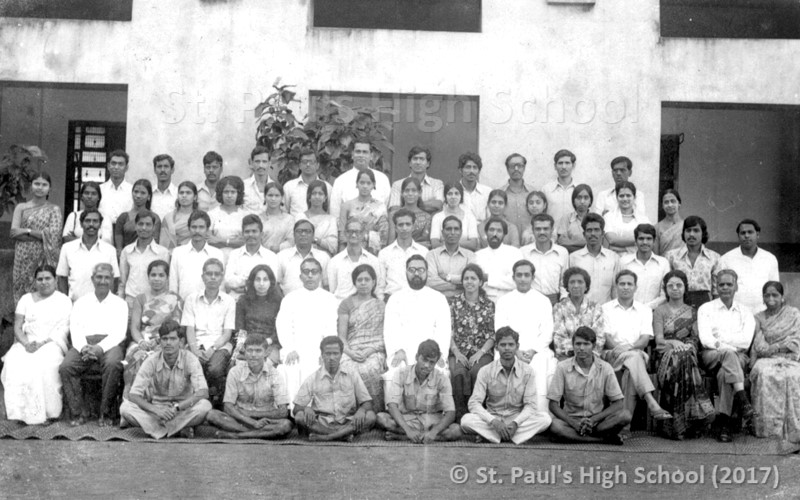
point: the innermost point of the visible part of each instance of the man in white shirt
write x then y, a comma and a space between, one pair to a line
344, 188
517, 192
601, 263
136, 257
185, 273
210, 317
296, 190
393, 258
78, 258
753, 265
446, 263
116, 190
207, 190
255, 184
97, 328
606, 200
551, 260
289, 259
530, 314
650, 268
629, 328
242, 260
307, 315
726, 329
165, 192
419, 161
497, 259
340, 268
559, 191
414, 314
476, 195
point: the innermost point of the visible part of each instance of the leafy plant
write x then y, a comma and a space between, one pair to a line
278, 129
15, 175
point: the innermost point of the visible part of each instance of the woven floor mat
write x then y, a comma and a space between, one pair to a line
640, 442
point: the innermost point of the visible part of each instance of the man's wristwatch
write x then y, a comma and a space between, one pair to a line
177, 407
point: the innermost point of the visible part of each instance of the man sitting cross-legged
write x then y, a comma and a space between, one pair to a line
333, 404
256, 402
503, 402
169, 394
420, 401
584, 381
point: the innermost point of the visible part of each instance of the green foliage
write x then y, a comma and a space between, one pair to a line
278, 129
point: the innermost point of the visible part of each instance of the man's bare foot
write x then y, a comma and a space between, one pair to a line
226, 435
104, 422
317, 437
187, 432
75, 422
391, 436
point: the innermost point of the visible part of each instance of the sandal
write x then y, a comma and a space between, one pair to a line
662, 415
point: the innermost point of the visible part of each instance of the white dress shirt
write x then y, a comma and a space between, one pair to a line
606, 201
253, 196
476, 200
497, 266
550, 266
753, 273
288, 273
432, 189
345, 189
76, 263
615, 223
186, 268
393, 264
133, 266
340, 271
469, 226
559, 199
93, 317
241, 262
602, 270
206, 200
722, 328
529, 314
115, 199
625, 326
413, 316
163, 202
295, 193
209, 319
72, 226
649, 278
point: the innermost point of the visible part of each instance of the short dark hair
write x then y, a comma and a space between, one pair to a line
452, 218
429, 349
585, 333
564, 152
211, 157
119, 152
256, 339
330, 340
170, 326
162, 157
623, 159
236, 183
312, 260
143, 214
753, 223
522, 263
470, 156
88, 211
543, 217
250, 219
644, 229
258, 150
419, 257
626, 272
504, 332
420, 149
571, 271
593, 217
213, 261
301, 222
692, 221
494, 219
198, 215
403, 212
516, 155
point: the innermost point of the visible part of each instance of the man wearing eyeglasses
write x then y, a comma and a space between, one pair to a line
210, 317
295, 190
517, 192
413, 315
289, 259
307, 315
341, 266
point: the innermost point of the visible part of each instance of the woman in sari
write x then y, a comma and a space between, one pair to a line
669, 229
361, 331
472, 316
225, 232
36, 231
30, 372
569, 232
575, 311
775, 376
681, 389
175, 225
496, 206
453, 205
621, 222
278, 225
90, 199
368, 210
125, 227
411, 190
326, 227
256, 311
149, 311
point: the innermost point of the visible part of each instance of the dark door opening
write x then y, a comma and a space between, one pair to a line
668, 169
89, 143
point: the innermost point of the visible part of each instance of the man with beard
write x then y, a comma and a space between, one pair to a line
497, 259
414, 314
601, 263
507, 388
753, 265
164, 192
650, 268
446, 263
169, 395
345, 189
584, 382
306, 316
419, 401
333, 404
242, 260
256, 402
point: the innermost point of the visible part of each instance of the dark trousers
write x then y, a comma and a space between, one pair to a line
109, 364
463, 379
216, 370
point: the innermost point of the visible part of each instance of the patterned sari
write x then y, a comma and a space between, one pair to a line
682, 392
775, 376
373, 216
28, 255
421, 233
364, 331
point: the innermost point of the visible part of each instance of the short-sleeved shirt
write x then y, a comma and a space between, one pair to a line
76, 262
265, 390
159, 383
209, 319
337, 396
432, 395
583, 392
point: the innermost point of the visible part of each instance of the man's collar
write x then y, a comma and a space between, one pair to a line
134, 247
161, 362
247, 372
89, 249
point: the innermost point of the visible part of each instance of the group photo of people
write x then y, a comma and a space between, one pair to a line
430, 311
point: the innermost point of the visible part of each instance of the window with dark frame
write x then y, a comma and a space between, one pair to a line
91, 10
779, 19
423, 15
